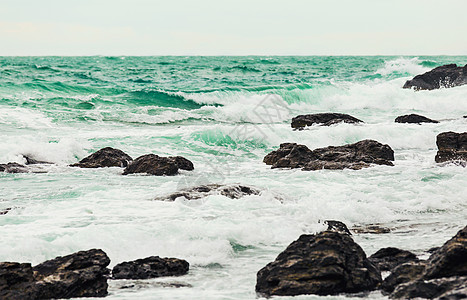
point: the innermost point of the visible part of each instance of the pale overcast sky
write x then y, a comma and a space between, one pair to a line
240, 27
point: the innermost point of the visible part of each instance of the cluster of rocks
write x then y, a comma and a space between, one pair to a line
81, 274
232, 191
330, 263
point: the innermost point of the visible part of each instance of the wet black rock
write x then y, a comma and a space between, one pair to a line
12, 167
233, 191
4, 211
414, 118
32, 161
337, 226
353, 156
150, 267
105, 157
452, 147
327, 263
17, 281
325, 119
446, 288
157, 165
403, 273
446, 76
388, 258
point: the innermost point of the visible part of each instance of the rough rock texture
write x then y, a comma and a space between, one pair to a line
157, 165
352, 156
414, 118
325, 264
450, 259
388, 258
403, 273
13, 168
372, 229
337, 226
150, 267
32, 161
105, 157
452, 146
444, 76
233, 191
325, 119
444, 287
81, 274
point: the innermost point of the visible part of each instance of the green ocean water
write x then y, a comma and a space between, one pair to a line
224, 114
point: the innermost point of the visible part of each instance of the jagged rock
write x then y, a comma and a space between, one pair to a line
452, 146
325, 119
233, 191
430, 289
441, 77
337, 226
327, 263
450, 259
105, 157
150, 267
371, 229
17, 281
353, 156
414, 118
157, 165
388, 258
12, 167
32, 161
403, 273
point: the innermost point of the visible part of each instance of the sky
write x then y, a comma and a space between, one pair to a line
254, 27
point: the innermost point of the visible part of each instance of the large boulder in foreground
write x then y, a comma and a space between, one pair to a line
325, 119
403, 273
82, 274
388, 258
327, 263
352, 156
452, 146
232, 191
441, 77
150, 267
105, 157
414, 119
156, 165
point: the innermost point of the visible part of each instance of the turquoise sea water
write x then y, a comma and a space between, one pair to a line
224, 114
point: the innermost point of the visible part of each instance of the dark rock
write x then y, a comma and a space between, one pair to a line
455, 294
450, 259
388, 258
403, 273
32, 161
325, 119
13, 168
81, 274
327, 263
371, 229
17, 281
105, 157
157, 165
452, 146
5, 211
352, 156
441, 77
337, 226
430, 289
433, 249
414, 118
233, 191
150, 267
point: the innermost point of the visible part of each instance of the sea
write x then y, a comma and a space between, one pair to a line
224, 114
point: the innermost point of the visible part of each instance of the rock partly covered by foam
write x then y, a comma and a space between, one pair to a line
233, 191
12, 167
105, 157
325, 119
388, 258
452, 146
327, 263
441, 77
156, 165
81, 274
352, 156
150, 267
415, 119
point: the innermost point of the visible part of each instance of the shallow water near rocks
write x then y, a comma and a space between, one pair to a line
224, 114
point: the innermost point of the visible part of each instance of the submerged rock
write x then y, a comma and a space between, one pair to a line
441, 77
325, 119
452, 146
12, 167
414, 118
352, 156
233, 191
388, 258
446, 288
371, 229
156, 165
32, 161
5, 211
150, 267
105, 157
327, 263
